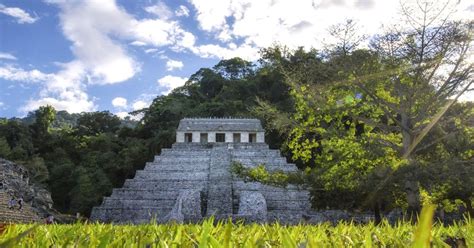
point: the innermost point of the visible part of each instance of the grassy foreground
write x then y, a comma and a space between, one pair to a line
226, 234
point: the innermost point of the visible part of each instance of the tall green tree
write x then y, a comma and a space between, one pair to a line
45, 115
95, 123
369, 124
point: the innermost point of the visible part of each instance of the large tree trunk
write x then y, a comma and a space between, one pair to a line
413, 197
411, 181
377, 215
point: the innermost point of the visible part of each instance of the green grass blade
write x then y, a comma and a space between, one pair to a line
423, 231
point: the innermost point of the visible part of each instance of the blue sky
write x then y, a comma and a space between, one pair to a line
118, 55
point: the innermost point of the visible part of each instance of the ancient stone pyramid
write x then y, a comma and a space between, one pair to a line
192, 180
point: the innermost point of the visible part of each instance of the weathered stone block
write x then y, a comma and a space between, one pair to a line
252, 206
186, 208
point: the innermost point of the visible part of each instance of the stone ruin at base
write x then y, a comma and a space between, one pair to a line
192, 180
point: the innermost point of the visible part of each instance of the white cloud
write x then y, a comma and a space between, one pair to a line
122, 115
17, 74
259, 24
104, 59
1, 104
170, 82
211, 16
151, 50
98, 31
138, 43
139, 105
174, 64
7, 56
64, 90
244, 51
157, 32
77, 106
161, 10
154, 32
119, 102
97, 42
20, 15
182, 11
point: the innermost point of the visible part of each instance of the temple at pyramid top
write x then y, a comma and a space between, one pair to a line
220, 130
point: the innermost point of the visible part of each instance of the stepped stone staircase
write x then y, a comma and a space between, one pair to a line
25, 215
153, 192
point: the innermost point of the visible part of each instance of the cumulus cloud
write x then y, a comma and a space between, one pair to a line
174, 64
20, 15
97, 41
97, 30
28, 76
105, 59
77, 106
122, 115
63, 90
119, 102
170, 82
139, 105
7, 56
305, 23
158, 33
244, 51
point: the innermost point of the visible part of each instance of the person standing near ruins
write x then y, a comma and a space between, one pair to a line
20, 203
11, 203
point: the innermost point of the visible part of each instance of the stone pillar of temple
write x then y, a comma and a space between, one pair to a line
229, 137
196, 137
244, 137
179, 137
260, 137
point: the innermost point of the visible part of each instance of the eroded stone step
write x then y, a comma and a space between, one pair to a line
131, 203
189, 166
141, 194
279, 160
273, 168
173, 152
255, 186
298, 205
289, 195
158, 175
164, 184
249, 153
180, 159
